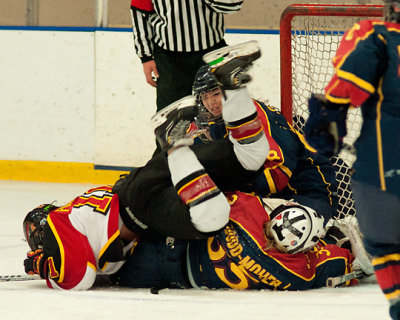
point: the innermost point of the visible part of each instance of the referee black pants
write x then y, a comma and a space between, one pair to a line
176, 73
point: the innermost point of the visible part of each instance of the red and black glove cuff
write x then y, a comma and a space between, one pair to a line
36, 263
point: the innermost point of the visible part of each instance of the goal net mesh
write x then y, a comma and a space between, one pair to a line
314, 40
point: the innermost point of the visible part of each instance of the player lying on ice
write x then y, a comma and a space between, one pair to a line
237, 240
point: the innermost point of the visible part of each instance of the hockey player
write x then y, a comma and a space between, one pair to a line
264, 244
257, 249
83, 237
230, 162
367, 75
83, 222
72, 244
292, 170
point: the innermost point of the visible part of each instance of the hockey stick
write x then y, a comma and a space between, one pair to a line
19, 277
333, 282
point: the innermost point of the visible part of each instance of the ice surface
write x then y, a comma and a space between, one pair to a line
33, 300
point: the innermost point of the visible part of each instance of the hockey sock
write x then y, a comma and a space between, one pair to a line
245, 129
208, 207
183, 162
237, 105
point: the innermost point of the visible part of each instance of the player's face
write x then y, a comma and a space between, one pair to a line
212, 100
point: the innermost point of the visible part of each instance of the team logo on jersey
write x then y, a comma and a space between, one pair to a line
53, 273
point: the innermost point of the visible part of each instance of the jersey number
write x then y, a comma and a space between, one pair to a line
99, 204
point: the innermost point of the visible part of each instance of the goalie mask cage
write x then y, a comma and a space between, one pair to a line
309, 37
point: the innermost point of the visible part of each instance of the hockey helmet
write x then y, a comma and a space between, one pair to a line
33, 225
294, 228
391, 10
204, 83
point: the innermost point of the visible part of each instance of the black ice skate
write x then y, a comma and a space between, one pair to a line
229, 64
172, 123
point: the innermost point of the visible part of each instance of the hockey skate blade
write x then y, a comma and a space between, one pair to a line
161, 116
221, 56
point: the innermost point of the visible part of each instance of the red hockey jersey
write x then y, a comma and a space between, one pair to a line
240, 256
82, 239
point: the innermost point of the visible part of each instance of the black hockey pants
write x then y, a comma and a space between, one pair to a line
149, 199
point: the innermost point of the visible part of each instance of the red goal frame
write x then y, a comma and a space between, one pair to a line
285, 39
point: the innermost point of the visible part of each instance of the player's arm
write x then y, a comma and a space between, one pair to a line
277, 170
37, 262
358, 62
70, 262
142, 36
142, 32
341, 91
283, 154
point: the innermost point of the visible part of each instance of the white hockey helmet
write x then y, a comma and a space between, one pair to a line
294, 228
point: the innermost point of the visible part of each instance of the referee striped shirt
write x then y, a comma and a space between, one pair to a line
180, 25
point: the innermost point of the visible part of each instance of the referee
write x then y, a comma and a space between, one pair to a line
171, 36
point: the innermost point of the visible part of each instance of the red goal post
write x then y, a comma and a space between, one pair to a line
309, 37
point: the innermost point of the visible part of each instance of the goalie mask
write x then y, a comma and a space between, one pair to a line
33, 225
294, 228
391, 10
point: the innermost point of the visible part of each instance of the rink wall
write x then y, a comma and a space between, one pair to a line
75, 106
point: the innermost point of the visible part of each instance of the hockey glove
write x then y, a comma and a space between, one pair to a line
326, 125
35, 263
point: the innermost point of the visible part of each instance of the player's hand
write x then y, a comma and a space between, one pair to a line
326, 125
150, 72
34, 263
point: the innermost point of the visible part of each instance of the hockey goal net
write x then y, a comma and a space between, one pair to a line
309, 37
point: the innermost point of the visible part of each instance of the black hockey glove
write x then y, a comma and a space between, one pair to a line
35, 263
326, 125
